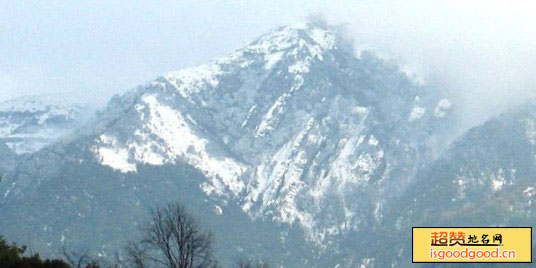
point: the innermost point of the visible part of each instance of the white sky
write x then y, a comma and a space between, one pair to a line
484, 51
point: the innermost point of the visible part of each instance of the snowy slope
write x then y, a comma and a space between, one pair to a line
288, 126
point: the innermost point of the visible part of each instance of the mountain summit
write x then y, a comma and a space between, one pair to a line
294, 131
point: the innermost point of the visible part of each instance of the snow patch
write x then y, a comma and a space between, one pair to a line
115, 157
192, 80
416, 113
373, 141
166, 137
325, 39
497, 184
218, 210
272, 59
442, 107
529, 191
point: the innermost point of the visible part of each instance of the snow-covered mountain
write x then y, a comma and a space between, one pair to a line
27, 124
288, 126
294, 133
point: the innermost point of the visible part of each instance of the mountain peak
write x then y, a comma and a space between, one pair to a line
300, 36
297, 47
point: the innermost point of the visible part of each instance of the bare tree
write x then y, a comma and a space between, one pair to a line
136, 255
79, 259
172, 239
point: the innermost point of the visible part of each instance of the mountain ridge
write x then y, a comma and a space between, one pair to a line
294, 132
30, 123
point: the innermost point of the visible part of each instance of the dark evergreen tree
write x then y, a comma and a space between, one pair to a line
12, 256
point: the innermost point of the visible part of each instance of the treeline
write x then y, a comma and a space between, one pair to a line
13, 256
172, 238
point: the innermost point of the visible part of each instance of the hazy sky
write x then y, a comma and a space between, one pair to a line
483, 51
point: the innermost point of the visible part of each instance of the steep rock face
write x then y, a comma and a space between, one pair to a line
293, 131
27, 124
